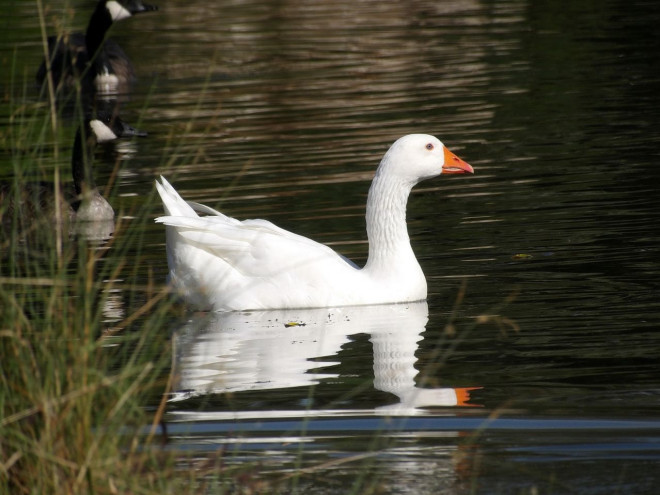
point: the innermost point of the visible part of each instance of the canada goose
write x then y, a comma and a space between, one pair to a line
70, 55
221, 263
82, 203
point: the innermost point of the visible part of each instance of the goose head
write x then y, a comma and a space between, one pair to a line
416, 157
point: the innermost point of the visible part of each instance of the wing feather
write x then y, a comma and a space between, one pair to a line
255, 248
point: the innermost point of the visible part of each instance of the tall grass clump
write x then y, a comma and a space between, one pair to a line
79, 393
72, 399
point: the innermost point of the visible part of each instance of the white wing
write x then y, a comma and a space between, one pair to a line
253, 247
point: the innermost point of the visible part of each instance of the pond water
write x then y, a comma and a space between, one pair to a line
534, 366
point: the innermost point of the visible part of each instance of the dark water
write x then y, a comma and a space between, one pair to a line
544, 376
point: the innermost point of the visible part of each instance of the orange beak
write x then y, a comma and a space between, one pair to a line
463, 395
454, 165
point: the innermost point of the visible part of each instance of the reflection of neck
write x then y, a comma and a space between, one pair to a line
394, 360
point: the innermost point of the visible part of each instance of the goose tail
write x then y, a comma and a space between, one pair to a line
173, 204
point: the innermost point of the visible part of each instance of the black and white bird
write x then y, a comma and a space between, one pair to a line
80, 201
99, 63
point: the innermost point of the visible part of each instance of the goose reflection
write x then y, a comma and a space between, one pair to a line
277, 349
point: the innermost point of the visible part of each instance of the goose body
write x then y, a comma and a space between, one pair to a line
101, 63
220, 263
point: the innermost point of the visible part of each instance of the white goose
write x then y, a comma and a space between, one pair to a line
220, 263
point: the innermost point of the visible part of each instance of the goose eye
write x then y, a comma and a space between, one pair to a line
429, 146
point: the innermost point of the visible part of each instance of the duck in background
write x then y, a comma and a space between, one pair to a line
24, 204
98, 63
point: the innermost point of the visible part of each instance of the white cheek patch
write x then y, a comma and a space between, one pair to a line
103, 132
117, 11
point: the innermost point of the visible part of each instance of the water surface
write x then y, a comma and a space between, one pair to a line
533, 368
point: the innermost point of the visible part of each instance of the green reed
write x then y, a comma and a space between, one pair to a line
73, 388
81, 394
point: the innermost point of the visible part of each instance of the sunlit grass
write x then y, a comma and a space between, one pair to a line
80, 392
73, 388
82, 388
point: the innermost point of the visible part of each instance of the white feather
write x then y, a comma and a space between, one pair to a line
102, 132
117, 11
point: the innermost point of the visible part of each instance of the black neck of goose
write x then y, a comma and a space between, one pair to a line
98, 26
82, 159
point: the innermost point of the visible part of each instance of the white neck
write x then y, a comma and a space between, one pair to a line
389, 244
